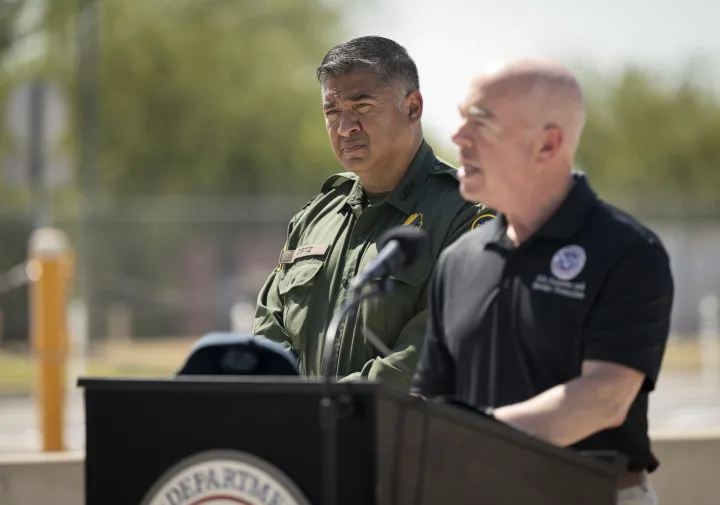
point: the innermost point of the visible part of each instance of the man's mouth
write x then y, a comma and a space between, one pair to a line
352, 149
466, 170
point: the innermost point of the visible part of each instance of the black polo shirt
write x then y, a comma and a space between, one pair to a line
591, 284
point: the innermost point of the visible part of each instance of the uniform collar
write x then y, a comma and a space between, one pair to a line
405, 194
566, 220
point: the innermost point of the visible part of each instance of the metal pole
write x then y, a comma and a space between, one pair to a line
36, 155
709, 311
87, 131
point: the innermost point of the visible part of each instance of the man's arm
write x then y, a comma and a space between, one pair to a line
268, 321
624, 343
597, 400
405, 353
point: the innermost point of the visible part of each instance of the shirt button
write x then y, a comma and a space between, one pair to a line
344, 283
360, 238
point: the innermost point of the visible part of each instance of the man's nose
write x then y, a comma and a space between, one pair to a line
460, 137
349, 124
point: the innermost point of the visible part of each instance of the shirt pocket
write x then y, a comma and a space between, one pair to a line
295, 289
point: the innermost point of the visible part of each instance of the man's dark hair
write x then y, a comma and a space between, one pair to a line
384, 58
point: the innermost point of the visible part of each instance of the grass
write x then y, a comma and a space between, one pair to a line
162, 357
152, 358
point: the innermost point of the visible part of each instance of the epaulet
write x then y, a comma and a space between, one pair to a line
308, 204
336, 180
443, 167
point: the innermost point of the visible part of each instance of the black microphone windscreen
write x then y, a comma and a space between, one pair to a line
412, 241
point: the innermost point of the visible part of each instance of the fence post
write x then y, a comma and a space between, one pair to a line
242, 315
709, 310
78, 335
49, 272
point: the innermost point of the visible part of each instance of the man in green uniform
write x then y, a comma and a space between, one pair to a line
373, 106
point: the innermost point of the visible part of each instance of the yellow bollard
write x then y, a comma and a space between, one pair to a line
49, 270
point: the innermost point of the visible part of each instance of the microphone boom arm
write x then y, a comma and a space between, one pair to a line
329, 404
349, 308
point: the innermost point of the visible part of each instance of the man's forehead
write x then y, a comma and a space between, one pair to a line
351, 87
487, 96
476, 103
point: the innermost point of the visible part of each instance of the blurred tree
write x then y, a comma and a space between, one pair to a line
195, 96
215, 96
646, 136
10, 11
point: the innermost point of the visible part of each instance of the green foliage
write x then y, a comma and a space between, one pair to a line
219, 96
649, 136
196, 96
9, 13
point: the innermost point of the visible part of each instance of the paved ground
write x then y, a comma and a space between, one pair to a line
683, 402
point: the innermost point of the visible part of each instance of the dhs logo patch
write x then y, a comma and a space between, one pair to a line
568, 262
224, 478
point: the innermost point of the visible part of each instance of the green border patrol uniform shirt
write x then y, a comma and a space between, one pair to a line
332, 239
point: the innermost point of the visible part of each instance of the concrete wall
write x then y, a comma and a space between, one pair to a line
42, 479
694, 248
689, 474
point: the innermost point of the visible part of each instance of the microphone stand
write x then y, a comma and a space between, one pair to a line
332, 405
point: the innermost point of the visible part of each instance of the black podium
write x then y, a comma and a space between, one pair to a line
393, 449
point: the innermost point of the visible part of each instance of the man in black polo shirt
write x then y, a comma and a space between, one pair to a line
556, 313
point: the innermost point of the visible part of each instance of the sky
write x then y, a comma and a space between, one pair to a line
451, 40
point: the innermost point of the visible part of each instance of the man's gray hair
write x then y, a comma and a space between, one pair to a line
387, 60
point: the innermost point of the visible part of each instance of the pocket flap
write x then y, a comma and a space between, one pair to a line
302, 273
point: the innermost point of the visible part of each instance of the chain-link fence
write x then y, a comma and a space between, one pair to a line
162, 266
174, 267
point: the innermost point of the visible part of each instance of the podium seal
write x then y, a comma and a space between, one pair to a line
224, 477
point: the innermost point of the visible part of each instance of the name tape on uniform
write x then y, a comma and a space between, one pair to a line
289, 257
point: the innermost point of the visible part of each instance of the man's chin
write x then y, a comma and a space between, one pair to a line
471, 190
355, 164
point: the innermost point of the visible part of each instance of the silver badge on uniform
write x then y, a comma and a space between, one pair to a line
568, 262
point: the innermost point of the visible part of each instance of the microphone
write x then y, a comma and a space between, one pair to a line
399, 247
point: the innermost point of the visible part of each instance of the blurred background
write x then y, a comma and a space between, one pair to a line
172, 140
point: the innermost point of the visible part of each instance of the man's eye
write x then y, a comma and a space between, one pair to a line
362, 105
328, 112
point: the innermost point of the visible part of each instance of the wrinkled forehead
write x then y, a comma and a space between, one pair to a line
346, 86
352, 87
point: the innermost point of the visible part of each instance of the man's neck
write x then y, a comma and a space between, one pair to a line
385, 179
535, 210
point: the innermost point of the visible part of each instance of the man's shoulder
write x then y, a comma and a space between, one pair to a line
624, 227
442, 185
472, 240
635, 246
336, 181
466, 247
337, 184
443, 172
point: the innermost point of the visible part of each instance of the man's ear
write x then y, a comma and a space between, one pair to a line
414, 106
552, 143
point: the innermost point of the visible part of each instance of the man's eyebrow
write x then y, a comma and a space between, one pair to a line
477, 112
360, 96
351, 98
